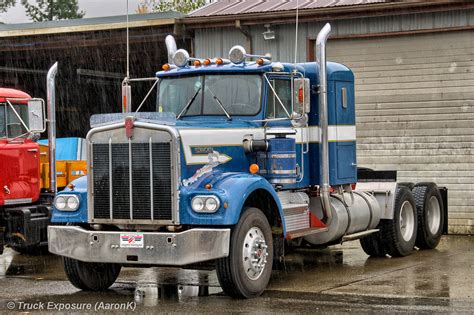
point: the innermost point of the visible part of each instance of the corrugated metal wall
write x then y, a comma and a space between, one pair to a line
415, 111
414, 94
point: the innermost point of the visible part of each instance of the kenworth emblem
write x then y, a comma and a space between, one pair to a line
129, 126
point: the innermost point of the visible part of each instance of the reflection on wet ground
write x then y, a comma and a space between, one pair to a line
341, 278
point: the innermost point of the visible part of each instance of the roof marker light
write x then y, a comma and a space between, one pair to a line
166, 67
262, 61
207, 62
181, 58
197, 63
222, 61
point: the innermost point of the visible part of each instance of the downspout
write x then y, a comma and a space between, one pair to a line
248, 36
323, 121
51, 104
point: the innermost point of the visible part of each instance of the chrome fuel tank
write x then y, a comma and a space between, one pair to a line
350, 215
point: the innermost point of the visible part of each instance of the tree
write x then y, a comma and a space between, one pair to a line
183, 6
53, 10
6, 4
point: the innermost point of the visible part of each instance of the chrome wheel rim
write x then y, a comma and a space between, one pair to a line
254, 253
433, 215
407, 221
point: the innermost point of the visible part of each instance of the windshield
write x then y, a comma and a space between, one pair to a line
10, 125
211, 94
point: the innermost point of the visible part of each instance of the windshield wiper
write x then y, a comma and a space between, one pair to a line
185, 109
218, 101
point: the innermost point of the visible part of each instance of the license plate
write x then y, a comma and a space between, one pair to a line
131, 240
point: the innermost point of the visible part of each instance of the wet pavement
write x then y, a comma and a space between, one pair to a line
339, 279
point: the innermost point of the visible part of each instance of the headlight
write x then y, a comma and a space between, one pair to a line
60, 203
205, 204
197, 204
66, 202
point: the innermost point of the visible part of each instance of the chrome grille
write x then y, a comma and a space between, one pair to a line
132, 181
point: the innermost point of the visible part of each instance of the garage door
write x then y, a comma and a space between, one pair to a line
415, 111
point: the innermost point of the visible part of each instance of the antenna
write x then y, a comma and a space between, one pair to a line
128, 47
296, 35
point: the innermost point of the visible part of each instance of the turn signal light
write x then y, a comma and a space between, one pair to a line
166, 67
253, 169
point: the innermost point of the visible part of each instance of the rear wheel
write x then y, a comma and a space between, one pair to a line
89, 276
246, 271
373, 245
399, 234
429, 205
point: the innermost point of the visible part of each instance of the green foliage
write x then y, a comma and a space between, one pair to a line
52, 10
183, 6
6, 4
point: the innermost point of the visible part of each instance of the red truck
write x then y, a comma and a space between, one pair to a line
26, 189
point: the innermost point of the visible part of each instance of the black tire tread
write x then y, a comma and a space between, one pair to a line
73, 267
373, 246
419, 193
389, 233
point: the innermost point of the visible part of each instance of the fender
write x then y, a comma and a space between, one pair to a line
80, 215
232, 189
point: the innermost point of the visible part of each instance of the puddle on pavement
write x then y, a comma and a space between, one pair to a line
44, 266
151, 294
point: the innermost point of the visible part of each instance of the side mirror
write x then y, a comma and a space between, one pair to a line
301, 96
36, 115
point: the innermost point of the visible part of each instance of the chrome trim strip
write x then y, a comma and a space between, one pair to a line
283, 172
283, 156
110, 181
151, 182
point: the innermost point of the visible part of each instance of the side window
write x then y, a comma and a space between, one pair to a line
3, 132
282, 88
14, 126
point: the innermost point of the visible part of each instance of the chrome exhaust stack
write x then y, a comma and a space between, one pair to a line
51, 108
170, 47
323, 120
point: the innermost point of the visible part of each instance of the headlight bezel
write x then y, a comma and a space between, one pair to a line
205, 206
66, 198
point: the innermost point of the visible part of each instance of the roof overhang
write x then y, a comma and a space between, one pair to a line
326, 14
85, 28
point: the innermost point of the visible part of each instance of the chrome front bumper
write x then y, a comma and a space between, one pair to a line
172, 249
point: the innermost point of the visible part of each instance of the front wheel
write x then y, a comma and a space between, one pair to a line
90, 276
246, 272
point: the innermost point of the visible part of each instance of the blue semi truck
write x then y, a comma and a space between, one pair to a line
240, 159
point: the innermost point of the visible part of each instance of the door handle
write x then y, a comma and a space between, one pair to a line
33, 150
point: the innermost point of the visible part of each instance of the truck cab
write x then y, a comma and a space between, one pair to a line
238, 159
19, 155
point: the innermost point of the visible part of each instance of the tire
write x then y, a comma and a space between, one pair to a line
373, 245
429, 206
251, 238
399, 234
407, 184
90, 276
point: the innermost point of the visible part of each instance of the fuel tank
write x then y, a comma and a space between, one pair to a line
350, 214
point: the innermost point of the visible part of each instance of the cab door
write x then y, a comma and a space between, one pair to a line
19, 159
